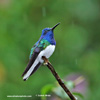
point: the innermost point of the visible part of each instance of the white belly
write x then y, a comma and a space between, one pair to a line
47, 52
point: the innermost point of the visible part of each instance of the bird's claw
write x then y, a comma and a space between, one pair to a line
45, 63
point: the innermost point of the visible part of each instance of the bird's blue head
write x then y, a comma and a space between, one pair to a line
48, 34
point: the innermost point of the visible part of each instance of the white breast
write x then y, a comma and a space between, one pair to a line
47, 52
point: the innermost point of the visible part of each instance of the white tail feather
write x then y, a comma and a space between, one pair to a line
26, 76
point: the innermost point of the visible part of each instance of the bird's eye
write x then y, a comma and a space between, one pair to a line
45, 32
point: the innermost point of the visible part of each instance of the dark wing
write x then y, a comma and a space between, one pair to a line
31, 61
33, 55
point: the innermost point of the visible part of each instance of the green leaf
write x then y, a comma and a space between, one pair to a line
70, 84
78, 94
60, 92
46, 89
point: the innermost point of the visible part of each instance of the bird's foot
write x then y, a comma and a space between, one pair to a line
45, 60
45, 63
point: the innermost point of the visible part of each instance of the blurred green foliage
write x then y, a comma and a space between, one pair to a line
75, 83
77, 37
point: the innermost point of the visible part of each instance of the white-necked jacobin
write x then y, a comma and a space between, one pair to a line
45, 46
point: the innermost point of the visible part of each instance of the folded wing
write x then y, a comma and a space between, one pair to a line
33, 64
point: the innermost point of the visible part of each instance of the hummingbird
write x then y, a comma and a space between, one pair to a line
45, 46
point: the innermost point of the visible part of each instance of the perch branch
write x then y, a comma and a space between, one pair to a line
61, 83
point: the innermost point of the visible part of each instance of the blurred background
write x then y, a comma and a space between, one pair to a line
77, 49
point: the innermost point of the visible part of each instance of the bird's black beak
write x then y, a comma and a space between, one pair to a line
54, 26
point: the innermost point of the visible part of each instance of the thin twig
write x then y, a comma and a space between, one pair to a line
61, 83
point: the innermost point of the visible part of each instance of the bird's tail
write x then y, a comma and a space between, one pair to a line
30, 70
